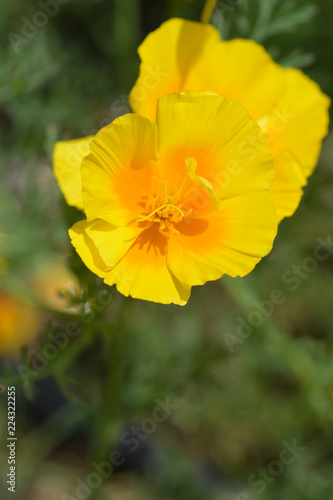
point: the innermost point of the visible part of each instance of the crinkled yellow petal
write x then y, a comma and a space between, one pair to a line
143, 273
111, 242
116, 175
287, 187
67, 160
299, 120
86, 249
230, 150
241, 70
166, 55
185, 55
231, 241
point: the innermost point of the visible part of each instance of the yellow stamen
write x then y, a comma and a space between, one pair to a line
159, 209
163, 207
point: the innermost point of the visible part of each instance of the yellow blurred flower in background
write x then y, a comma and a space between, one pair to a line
289, 107
171, 204
56, 287
19, 324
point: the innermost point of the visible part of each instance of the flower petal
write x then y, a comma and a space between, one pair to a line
116, 175
231, 241
241, 70
86, 249
167, 55
185, 55
299, 120
111, 242
287, 187
143, 273
231, 152
67, 160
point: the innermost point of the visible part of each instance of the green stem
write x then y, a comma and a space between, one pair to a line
125, 36
208, 11
109, 422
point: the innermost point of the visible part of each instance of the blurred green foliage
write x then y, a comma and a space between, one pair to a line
235, 408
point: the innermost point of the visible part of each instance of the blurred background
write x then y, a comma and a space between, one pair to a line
228, 398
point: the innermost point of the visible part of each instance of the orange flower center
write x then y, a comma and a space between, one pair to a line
163, 206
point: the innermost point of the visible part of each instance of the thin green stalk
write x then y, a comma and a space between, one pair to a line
115, 346
208, 11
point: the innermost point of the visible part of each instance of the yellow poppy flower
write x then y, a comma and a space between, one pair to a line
174, 203
289, 107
